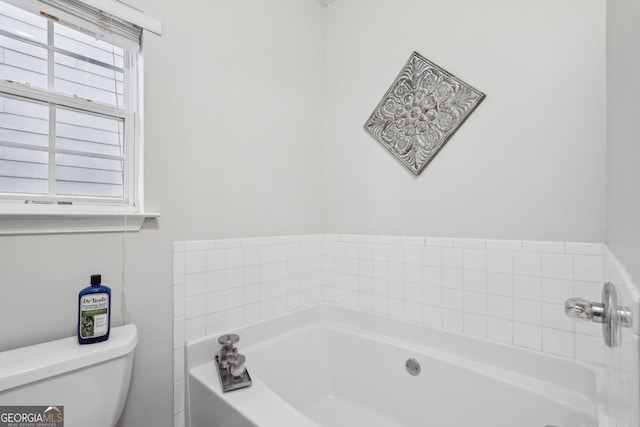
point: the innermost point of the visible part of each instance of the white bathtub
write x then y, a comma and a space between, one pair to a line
333, 367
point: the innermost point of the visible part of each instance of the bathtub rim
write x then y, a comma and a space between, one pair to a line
580, 377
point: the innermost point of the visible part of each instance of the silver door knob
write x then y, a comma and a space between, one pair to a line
612, 316
581, 309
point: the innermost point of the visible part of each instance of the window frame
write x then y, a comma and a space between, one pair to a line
13, 206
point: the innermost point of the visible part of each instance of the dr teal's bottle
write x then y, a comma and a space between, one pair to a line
94, 312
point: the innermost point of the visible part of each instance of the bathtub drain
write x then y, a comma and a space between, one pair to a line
413, 366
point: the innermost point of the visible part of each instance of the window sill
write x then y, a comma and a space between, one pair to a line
16, 223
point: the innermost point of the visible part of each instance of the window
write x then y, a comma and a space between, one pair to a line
69, 96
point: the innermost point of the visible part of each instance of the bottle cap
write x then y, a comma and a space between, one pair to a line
96, 279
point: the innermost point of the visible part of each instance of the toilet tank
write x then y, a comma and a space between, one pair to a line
90, 381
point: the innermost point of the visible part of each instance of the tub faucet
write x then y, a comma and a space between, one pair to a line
231, 364
227, 348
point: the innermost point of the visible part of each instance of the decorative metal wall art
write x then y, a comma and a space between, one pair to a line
422, 109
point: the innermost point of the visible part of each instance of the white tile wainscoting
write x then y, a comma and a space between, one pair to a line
220, 285
509, 291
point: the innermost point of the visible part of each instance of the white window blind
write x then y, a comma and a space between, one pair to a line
68, 100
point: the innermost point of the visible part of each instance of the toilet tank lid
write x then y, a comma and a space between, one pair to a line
37, 362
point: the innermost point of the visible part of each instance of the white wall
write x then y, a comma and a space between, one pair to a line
623, 132
530, 162
230, 95
233, 148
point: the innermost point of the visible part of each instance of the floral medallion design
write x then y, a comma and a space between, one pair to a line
421, 111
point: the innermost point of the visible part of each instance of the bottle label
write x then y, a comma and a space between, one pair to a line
94, 315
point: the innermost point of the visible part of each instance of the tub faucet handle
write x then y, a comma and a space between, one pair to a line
228, 340
236, 364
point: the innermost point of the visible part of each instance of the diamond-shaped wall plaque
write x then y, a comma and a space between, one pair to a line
422, 109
